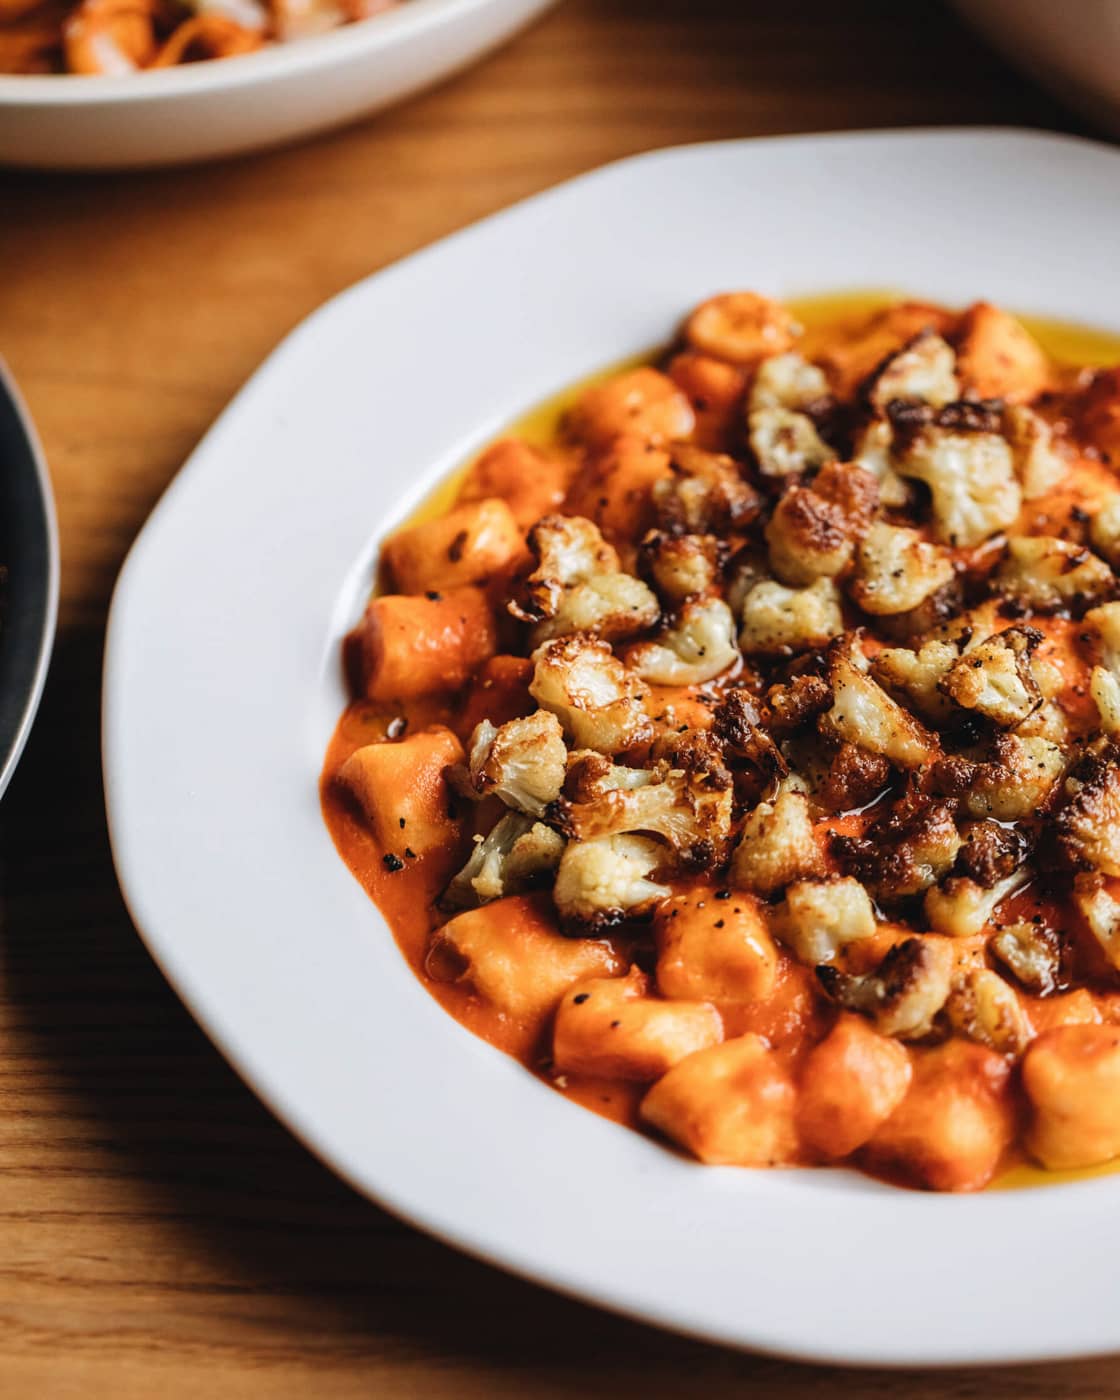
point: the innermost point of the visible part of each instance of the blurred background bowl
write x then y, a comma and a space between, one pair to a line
230, 105
1072, 47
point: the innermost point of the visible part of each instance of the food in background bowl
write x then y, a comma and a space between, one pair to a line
746, 758
121, 36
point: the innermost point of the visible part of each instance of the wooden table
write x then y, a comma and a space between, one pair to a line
160, 1234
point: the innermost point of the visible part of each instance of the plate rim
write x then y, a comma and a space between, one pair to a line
44, 643
449, 1229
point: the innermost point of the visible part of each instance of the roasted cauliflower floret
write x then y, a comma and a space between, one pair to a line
915, 677
598, 701
1032, 953
1101, 911
682, 566
1104, 680
896, 570
982, 1007
1019, 779
851, 1083
865, 715
698, 645
872, 452
961, 908
904, 994
787, 381
785, 442
905, 851
578, 585
517, 853
782, 435
523, 762
1049, 575
777, 846
741, 327
1087, 829
808, 537
819, 917
971, 477
991, 851
779, 620
704, 492
996, 679
924, 369
603, 882
591, 775
688, 806
641, 403
1071, 1076
1038, 464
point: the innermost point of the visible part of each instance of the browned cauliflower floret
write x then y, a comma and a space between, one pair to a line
819, 917
777, 846
1047, 574
996, 679
741, 327
871, 450
1019, 778
601, 883
1087, 829
1104, 530
903, 995
1032, 953
779, 620
971, 478
1104, 681
1038, 464
925, 369
990, 852
787, 381
698, 645
896, 570
578, 585
516, 853
737, 725
808, 537
915, 677
1102, 914
865, 715
689, 806
785, 442
682, 566
905, 851
523, 762
599, 702
982, 1007
705, 492
961, 908
592, 774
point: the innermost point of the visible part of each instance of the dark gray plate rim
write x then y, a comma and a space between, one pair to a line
29, 554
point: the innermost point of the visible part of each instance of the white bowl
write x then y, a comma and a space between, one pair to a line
221, 108
1070, 46
223, 684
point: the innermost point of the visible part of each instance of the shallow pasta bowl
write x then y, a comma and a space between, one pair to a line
222, 687
201, 110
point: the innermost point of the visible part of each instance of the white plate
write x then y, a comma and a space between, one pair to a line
201, 110
222, 685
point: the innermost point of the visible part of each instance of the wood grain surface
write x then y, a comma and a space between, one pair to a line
160, 1234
